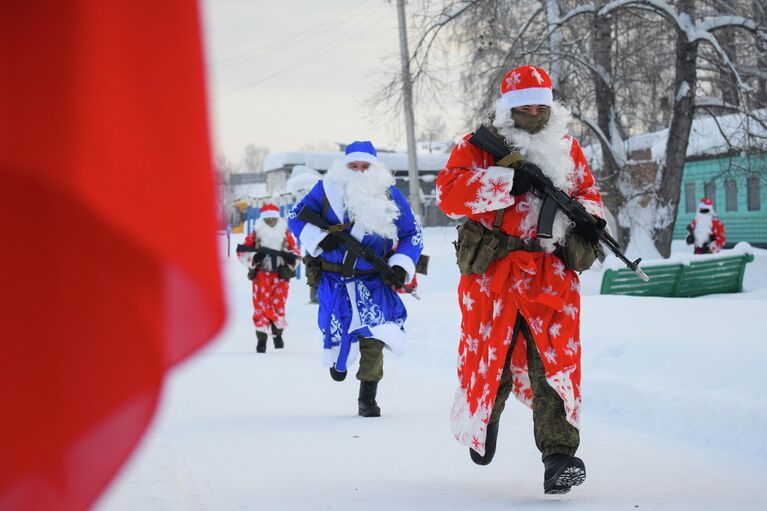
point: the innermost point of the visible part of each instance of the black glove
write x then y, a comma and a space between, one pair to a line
329, 242
251, 274
590, 231
704, 247
397, 278
690, 239
521, 183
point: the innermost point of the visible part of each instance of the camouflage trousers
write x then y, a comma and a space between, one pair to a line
553, 434
371, 359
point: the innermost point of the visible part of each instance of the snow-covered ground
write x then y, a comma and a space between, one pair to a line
674, 415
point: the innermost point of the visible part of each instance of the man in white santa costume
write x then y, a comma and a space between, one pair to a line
706, 232
528, 285
270, 275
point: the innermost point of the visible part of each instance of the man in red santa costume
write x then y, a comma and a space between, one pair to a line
529, 287
270, 275
706, 232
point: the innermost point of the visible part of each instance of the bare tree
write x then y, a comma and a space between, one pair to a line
225, 191
625, 67
432, 133
253, 158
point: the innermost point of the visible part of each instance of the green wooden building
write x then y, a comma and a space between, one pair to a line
737, 185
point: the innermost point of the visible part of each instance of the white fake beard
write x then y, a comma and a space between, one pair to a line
271, 237
366, 197
549, 150
703, 224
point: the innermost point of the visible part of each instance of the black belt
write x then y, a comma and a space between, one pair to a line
337, 268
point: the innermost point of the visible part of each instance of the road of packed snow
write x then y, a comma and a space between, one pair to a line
674, 413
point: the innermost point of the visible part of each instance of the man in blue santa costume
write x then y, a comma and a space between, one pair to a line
360, 313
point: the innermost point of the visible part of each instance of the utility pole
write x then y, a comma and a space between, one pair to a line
407, 100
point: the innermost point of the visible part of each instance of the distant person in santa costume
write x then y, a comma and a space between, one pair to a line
360, 312
518, 293
706, 232
270, 274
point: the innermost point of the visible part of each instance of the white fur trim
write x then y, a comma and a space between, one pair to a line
334, 192
330, 356
406, 263
270, 213
391, 335
529, 96
562, 383
310, 238
360, 156
468, 427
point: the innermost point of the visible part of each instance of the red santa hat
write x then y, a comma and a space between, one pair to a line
526, 85
705, 203
270, 211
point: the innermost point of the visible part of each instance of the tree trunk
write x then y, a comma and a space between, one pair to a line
730, 92
608, 176
678, 136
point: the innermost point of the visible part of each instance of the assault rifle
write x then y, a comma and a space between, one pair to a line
553, 198
353, 245
288, 257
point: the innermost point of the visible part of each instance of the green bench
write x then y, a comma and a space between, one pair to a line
708, 276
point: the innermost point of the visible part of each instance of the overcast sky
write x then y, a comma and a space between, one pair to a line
284, 74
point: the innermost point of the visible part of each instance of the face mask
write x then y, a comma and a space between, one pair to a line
530, 123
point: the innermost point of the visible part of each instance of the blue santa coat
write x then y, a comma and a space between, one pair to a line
364, 305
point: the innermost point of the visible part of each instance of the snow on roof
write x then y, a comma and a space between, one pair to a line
323, 160
709, 136
302, 179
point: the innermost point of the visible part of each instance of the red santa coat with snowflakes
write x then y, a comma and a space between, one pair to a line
270, 292
536, 284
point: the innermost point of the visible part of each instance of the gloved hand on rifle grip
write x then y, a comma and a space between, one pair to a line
397, 278
258, 257
521, 182
590, 231
329, 242
251, 274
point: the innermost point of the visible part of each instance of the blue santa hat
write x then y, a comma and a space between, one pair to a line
361, 151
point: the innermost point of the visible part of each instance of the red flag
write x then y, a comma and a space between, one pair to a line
109, 271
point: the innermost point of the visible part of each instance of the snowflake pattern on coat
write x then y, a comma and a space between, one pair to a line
270, 292
536, 284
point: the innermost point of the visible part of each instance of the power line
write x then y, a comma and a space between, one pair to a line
332, 45
308, 58
304, 36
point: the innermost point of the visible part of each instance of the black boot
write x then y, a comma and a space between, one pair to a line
278, 342
337, 375
562, 473
261, 345
367, 400
490, 441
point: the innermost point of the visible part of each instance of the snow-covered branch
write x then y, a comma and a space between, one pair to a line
616, 147
581, 9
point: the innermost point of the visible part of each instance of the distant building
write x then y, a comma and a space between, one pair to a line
279, 166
